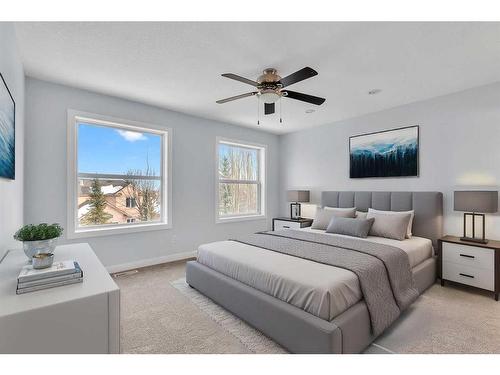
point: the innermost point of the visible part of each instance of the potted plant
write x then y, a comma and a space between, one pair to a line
39, 238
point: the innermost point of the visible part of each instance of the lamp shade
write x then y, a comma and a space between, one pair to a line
298, 196
476, 201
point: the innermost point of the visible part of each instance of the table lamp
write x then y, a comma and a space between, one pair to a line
297, 197
475, 203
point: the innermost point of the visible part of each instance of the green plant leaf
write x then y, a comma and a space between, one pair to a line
38, 232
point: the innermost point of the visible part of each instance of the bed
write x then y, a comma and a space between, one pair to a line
308, 306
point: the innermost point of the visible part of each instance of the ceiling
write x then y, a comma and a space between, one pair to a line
178, 65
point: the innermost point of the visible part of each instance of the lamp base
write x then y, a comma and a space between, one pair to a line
295, 210
476, 240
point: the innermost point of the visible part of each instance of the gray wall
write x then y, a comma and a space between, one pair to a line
193, 172
11, 192
459, 148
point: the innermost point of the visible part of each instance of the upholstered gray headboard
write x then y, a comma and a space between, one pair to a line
428, 206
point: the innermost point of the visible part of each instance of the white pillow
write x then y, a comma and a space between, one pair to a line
324, 216
361, 215
401, 213
389, 226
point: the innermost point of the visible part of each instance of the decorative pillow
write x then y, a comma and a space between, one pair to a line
324, 216
338, 209
389, 226
410, 224
361, 215
350, 227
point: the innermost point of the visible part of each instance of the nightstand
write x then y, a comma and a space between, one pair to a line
287, 223
470, 263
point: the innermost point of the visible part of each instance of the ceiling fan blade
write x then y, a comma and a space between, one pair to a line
240, 79
268, 108
222, 101
298, 76
304, 97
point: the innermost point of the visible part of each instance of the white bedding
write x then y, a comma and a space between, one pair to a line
322, 290
417, 248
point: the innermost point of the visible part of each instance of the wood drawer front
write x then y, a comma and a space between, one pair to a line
480, 278
469, 255
282, 224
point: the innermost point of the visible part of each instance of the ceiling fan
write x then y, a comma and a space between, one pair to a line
271, 87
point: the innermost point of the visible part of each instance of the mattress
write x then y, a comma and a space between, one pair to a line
322, 290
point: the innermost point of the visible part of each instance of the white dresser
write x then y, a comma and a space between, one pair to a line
79, 318
470, 263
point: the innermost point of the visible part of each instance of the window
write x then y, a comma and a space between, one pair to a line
240, 180
130, 202
118, 176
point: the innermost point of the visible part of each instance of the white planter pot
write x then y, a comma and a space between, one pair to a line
36, 247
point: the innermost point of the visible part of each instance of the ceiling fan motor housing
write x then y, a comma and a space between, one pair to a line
269, 86
269, 75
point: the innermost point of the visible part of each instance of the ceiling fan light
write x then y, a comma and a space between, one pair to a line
269, 97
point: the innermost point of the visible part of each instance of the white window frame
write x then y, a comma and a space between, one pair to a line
72, 228
261, 182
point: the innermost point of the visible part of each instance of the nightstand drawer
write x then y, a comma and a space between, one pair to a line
480, 278
469, 255
282, 224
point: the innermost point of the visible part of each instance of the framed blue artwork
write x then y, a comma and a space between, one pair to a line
389, 153
7, 132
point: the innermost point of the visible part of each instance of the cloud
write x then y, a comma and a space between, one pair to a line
131, 136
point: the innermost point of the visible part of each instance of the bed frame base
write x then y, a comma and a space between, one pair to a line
296, 330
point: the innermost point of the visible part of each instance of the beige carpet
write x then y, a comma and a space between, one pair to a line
253, 339
161, 315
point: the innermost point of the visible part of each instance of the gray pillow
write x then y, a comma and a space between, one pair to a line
350, 227
324, 216
389, 226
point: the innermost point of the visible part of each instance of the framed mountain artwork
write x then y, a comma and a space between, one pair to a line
7, 132
388, 153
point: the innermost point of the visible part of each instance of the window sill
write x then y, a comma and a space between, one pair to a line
111, 231
233, 219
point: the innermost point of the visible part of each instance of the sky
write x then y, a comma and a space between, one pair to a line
107, 150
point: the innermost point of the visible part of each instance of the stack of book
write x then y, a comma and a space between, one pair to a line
60, 273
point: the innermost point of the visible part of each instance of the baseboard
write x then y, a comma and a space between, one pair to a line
150, 262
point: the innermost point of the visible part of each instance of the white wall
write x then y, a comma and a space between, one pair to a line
459, 148
193, 172
11, 191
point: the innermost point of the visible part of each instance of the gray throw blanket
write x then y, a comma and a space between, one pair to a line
383, 271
